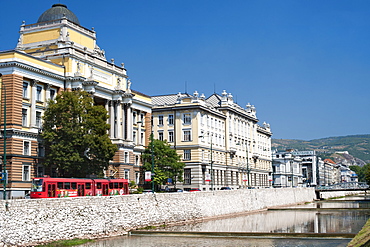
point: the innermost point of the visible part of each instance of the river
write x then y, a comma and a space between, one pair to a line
322, 223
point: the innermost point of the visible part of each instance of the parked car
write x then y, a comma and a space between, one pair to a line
225, 188
194, 190
147, 191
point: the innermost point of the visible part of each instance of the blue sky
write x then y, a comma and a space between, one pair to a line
303, 64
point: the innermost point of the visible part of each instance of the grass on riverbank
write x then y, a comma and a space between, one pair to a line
65, 243
362, 239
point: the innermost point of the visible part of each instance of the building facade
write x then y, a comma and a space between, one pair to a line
220, 142
287, 170
52, 55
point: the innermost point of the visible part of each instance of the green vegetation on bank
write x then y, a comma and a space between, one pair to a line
64, 243
362, 239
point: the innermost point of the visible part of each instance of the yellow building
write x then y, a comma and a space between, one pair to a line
220, 142
54, 54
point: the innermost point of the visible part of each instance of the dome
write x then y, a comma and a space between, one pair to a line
58, 11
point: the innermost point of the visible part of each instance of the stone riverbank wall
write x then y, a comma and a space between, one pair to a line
30, 221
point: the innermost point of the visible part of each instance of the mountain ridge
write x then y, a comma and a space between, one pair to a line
357, 146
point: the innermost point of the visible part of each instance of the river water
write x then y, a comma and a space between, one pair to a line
327, 217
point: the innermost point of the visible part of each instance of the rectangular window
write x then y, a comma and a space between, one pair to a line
187, 118
160, 136
24, 117
187, 135
26, 148
52, 94
39, 93
141, 138
160, 120
142, 119
25, 90
170, 136
126, 157
26, 173
127, 173
134, 136
40, 171
38, 119
134, 117
170, 119
187, 176
187, 154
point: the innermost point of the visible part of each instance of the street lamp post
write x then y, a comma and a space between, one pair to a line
211, 160
152, 154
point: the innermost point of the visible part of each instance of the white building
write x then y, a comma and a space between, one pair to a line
220, 142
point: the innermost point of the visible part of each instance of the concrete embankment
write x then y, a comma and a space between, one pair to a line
28, 222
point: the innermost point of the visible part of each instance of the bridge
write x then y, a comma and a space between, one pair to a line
348, 186
344, 186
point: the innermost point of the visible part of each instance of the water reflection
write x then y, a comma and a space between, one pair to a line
155, 241
287, 221
313, 220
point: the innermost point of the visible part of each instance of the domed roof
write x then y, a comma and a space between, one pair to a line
58, 11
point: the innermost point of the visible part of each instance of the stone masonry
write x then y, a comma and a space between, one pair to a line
30, 222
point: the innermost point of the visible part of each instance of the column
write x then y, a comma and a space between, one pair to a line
111, 119
119, 119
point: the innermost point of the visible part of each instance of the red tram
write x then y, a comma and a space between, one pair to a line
46, 187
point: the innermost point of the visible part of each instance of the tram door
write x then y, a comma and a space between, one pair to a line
105, 189
80, 190
51, 190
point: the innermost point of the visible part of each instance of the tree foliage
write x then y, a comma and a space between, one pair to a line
75, 135
166, 162
363, 172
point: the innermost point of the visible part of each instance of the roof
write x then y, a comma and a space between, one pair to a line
169, 99
56, 12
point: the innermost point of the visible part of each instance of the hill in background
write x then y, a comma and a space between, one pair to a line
357, 146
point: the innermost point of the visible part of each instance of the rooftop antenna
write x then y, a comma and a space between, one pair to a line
214, 88
186, 87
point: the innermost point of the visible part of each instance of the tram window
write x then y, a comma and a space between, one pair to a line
60, 185
88, 186
67, 185
74, 186
110, 185
115, 185
98, 185
120, 185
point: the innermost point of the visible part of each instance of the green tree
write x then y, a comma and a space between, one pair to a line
75, 135
166, 162
367, 173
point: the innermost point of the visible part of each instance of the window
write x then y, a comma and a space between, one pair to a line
160, 136
141, 138
134, 136
187, 135
127, 174
170, 136
38, 119
170, 119
187, 118
134, 117
187, 154
126, 157
26, 173
24, 117
137, 160
40, 171
25, 90
26, 148
39, 93
160, 120
52, 94
142, 119
187, 176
